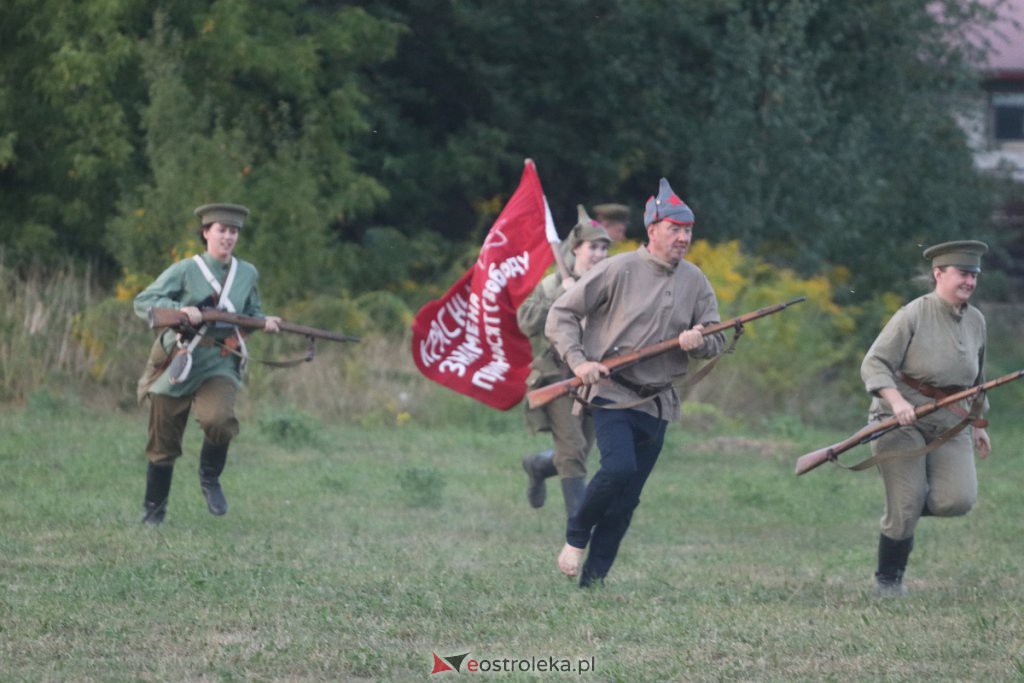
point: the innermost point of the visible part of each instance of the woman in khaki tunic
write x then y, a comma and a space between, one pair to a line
573, 434
933, 346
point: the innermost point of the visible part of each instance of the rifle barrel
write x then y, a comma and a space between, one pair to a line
809, 461
548, 393
169, 317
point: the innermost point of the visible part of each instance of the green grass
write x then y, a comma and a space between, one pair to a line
334, 564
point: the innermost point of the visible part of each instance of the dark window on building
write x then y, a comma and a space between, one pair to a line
1008, 113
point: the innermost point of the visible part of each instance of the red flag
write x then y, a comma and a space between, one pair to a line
468, 340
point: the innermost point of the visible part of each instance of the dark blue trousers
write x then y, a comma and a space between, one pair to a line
630, 442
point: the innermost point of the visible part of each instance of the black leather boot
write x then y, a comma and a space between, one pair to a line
211, 464
158, 488
538, 466
573, 489
892, 563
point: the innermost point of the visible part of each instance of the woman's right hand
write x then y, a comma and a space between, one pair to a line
195, 316
901, 407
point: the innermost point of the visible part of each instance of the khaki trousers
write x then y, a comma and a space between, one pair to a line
573, 436
214, 408
944, 479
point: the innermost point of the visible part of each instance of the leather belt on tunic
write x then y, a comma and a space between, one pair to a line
641, 390
939, 393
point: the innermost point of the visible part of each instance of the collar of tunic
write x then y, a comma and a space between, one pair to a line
654, 260
954, 312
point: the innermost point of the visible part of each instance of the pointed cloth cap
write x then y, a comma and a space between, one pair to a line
963, 254
667, 206
225, 214
586, 230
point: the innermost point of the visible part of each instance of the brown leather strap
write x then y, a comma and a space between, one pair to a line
890, 455
939, 393
227, 349
968, 418
641, 390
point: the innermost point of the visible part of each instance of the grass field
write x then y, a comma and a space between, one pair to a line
353, 553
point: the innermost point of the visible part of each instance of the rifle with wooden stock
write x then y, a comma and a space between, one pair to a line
807, 462
170, 317
548, 393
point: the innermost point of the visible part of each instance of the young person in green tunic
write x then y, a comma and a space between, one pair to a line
933, 346
572, 431
207, 388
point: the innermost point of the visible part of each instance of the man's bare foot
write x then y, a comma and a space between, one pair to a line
570, 559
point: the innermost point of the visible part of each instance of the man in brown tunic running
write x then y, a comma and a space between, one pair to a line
624, 303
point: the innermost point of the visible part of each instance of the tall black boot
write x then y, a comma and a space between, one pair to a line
573, 489
158, 488
892, 563
211, 464
538, 466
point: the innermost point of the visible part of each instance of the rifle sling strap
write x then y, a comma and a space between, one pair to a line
647, 391
967, 419
291, 363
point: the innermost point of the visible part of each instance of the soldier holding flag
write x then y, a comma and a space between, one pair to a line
573, 434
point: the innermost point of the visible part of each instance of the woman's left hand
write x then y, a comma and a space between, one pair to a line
982, 444
271, 324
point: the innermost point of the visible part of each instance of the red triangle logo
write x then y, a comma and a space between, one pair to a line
440, 665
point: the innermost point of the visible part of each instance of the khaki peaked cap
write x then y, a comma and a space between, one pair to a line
226, 214
962, 254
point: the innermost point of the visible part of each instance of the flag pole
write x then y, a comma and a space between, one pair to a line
552, 235
556, 246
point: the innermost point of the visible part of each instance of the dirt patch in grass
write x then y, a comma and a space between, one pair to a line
766, 448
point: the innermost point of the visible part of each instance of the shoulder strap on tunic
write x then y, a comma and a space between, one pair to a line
223, 303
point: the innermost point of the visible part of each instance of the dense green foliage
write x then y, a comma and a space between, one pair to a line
833, 130
362, 133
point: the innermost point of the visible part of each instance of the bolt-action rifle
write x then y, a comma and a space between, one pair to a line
807, 462
169, 317
548, 393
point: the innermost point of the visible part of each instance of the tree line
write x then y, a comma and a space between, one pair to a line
375, 140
